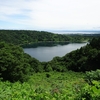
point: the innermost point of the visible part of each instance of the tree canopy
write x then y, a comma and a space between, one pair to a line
15, 64
84, 59
24, 37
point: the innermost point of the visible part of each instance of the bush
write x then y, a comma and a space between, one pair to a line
90, 92
14, 66
92, 75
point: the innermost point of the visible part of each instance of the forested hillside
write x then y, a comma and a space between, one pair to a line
16, 65
70, 77
22, 37
84, 59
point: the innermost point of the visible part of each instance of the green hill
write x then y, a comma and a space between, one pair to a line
84, 59
23, 37
14, 63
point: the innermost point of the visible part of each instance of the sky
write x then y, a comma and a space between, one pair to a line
50, 14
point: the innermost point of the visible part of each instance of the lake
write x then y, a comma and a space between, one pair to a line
47, 53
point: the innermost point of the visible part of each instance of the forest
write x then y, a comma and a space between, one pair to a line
75, 76
30, 38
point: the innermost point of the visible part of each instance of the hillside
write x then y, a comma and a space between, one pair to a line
14, 60
84, 59
63, 78
23, 37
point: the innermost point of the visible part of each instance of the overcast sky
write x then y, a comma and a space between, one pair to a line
50, 14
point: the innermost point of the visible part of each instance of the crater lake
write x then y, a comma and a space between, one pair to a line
47, 53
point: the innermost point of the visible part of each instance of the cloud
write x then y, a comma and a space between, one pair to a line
51, 14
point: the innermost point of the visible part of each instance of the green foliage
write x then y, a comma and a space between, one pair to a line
48, 68
92, 75
84, 59
95, 43
59, 86
27, 38
15, 65
90, 92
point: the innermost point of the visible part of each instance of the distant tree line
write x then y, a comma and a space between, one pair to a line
25, 37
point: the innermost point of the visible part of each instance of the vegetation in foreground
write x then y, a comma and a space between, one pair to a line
44, 86
54, 86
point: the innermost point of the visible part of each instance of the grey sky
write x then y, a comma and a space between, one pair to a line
50, 14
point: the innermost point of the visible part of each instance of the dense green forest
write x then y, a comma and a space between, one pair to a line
28, 38
84, 59
75, 76
14, 62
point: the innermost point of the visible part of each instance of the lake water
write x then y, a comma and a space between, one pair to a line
47, 53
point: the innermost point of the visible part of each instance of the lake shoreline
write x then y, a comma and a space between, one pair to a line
47, 43
47, 53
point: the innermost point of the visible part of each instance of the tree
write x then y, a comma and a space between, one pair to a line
48, 68
13, 64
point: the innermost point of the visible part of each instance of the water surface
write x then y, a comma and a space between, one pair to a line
47, 53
